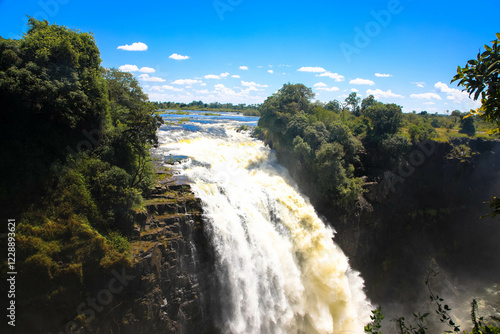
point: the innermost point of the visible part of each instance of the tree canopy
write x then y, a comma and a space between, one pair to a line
481, 79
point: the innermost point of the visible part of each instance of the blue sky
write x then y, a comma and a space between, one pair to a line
241, 51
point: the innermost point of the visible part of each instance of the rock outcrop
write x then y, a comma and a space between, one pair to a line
171, 268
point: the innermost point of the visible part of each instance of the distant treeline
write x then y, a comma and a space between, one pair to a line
247, 110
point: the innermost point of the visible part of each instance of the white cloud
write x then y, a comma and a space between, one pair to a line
426, 96
454, 94
328, 89
270, 71
429, 103
378, 93
284, 65
235, 76
312, 69
212, 76
359, 81
164, 88
320, 84
146, 77
380, 75
419, 84
147, 70
244, 68
335, 76
186, 82
134, 47
354, 90
134, 68
128, 68
250, 84
178, 56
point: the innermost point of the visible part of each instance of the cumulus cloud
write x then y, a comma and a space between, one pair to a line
178, 56
235, 76
426, 96
381, 75
212, 76
146, 77
378, 93
335, 76
186, 82
270, 71
134, 47
244, 68
312, 69
354, 90
320, 84
134, 68
128, 68
328, 89
359, 81
453, 94
147, 70
251, 83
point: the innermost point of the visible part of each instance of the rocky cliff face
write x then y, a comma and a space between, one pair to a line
169, 281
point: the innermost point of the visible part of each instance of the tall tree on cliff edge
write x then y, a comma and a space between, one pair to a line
51, 91
481, 79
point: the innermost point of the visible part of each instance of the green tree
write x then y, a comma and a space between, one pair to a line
386, 120
334, 106
367, 102
467, 125
353, 102
481, 79
52, 93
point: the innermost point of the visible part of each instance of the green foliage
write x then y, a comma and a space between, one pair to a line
481, 77
376, 324
75, 161
393, 149
421, 131
467, 125
386, 120
353, 102
324, 147
368, 102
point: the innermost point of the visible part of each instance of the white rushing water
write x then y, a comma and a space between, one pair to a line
277, 268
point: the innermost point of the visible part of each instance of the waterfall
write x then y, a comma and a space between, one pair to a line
277, 268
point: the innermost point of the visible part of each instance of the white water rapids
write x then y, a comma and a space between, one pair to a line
277, 268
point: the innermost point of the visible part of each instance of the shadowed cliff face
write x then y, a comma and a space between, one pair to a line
170, 277
430, 214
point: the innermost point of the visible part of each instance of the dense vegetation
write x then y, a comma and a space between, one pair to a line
75, 161
248, 110
327, 142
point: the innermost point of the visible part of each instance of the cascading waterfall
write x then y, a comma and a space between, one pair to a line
277, 268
